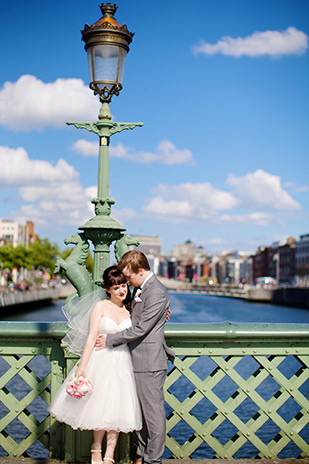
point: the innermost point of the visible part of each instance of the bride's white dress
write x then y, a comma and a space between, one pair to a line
113, 403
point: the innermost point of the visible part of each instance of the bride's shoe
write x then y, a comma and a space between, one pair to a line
109, 459
96, 451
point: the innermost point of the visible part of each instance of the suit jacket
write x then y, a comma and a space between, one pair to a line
146, 336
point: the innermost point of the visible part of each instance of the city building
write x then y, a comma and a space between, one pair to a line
151, 246
188, 262
231, 267
302, 261
286, 262
261, 263
148, 244
276, 261
30, 236
11, 233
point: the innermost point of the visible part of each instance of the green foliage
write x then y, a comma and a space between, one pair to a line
40, 254
43, 254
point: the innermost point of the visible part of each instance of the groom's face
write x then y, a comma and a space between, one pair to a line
134, 279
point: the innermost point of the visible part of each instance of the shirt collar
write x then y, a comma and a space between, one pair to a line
147, 278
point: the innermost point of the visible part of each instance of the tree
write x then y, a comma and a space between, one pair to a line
39, 255
43, 254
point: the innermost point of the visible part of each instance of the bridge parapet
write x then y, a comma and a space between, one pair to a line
235, 391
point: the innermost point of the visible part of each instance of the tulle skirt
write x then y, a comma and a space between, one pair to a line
113, 403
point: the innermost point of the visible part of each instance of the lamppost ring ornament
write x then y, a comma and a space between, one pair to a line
105, 93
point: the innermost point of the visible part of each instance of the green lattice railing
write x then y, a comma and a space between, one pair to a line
235, 391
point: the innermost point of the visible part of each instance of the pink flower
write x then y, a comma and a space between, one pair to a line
78, 387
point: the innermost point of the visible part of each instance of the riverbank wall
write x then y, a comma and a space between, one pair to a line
18, 301
287, 296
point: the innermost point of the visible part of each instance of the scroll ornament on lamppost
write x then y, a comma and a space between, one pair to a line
107, 44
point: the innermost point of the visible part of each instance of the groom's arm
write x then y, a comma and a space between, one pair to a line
155, 309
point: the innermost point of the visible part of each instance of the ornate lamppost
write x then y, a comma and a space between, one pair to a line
107, 44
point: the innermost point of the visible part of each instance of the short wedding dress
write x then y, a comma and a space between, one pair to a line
113, 403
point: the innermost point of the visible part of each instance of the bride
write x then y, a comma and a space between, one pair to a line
112, 407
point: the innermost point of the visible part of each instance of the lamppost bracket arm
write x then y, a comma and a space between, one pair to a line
105, 128
120, 126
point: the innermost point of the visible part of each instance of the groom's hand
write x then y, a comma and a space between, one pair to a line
100, 342
169, 312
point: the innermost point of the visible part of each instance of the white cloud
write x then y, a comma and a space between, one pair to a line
258, 218
261, 190
53, 214
203, 194
216, 241
30, 104
52, 193
255, 198
295, 188
273, 43
166, 153
86, 148
189, 200
65, 205
17, 169
124, 215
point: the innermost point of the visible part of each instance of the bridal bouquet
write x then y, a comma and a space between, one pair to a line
78, 387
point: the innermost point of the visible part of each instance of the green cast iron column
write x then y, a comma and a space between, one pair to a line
103, 172
102, 229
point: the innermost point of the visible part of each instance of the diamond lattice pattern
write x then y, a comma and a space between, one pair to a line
258, 400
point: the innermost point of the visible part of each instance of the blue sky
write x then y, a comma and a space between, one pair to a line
222, 90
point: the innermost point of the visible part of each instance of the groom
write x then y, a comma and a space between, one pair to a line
148, 350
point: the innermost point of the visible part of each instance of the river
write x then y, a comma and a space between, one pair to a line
196, 308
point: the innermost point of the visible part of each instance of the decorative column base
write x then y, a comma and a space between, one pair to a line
101, 231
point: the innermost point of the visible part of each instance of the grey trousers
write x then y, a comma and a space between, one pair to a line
151, 439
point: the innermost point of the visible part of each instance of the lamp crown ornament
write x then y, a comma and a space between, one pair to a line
108, 9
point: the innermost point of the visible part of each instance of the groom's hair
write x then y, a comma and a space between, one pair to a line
134, 260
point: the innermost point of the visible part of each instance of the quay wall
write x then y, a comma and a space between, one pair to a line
291, 296
287, 296
22, 301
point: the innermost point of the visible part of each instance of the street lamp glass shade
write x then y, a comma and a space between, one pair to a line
106, 66
107, 44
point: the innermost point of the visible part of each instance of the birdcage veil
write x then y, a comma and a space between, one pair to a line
78, 313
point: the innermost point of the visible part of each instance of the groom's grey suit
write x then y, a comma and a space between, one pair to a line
149, 358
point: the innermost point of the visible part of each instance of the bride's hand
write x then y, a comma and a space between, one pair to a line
80, 372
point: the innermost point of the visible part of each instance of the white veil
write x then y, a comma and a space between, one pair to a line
78, 313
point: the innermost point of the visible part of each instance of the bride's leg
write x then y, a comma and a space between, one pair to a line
111, 442
97, 445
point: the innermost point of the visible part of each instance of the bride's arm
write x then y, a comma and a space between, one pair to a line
94, 323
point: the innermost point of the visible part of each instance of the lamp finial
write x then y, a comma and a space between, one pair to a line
108, 9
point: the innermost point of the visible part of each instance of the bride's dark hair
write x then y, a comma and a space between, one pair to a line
112, 276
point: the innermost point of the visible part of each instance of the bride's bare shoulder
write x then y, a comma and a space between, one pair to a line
100, 306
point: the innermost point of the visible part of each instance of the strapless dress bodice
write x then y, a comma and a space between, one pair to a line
109, 326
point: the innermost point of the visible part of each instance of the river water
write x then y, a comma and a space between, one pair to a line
198, 308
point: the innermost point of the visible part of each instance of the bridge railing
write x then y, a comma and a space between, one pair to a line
235, 391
